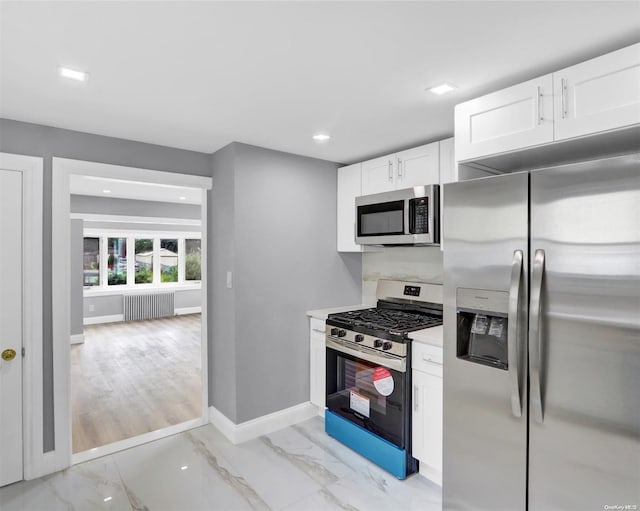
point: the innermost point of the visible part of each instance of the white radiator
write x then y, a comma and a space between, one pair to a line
148, 305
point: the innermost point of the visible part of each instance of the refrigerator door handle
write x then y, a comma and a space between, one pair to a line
535, 355
512, 333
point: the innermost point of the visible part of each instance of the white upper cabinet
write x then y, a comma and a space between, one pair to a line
599, 94
413, 167
378, 175
418, 166
505, 120
349, 187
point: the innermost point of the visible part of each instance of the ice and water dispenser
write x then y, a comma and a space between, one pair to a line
482, 326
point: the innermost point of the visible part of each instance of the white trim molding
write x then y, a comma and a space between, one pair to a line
77, 339
99, 320
188, 310
35, 461
238, 433
127, 443
61, 170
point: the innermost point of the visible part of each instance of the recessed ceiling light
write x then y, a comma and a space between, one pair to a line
184, 467
321, 137
442, 89
182, 197
106, 191
107, 499
80, 76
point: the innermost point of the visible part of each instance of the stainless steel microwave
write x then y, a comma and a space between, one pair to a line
401, 217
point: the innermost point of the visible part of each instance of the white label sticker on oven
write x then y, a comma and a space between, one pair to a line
359, 403
383, 381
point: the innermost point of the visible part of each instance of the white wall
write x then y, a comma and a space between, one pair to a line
421, 264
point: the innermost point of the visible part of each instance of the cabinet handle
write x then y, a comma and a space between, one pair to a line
390, 170
399, 168
539, 106
415, 398
563, 97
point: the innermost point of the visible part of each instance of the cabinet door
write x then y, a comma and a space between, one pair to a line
599, 94
378, 175
513, 118
349, 187
418, 166
427, 423
448, 174
317, 376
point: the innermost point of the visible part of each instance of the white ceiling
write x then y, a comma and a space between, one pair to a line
198, 75
122, 189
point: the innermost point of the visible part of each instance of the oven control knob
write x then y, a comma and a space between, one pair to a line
334, 331
359, 338
342, 333
377, 343
387, 345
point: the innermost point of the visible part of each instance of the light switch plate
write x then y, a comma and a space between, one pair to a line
229, 280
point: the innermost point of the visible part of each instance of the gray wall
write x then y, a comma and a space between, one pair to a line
44, 141
128, 207
285, 263
221, 302
111, 305
76, 262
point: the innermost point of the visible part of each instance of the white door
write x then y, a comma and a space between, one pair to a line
419, 166
10, 327
514, 118
599, 94
378, 175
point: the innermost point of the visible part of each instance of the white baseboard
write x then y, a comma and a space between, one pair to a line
430, 473
188, 310
238, 433
96, 320
77, 339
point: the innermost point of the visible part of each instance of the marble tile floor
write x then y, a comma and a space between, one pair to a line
296, 468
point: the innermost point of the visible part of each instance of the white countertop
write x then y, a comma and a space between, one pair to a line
433, 335
323, 313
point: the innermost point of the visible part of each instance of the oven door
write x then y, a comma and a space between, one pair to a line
370, 389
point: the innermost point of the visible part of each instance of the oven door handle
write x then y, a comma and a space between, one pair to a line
373, 356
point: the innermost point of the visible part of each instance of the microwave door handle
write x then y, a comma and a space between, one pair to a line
408, 227
534, 335
512, 333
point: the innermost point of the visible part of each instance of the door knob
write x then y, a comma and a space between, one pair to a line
8, 355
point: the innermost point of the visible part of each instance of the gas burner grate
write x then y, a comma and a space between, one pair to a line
389, 319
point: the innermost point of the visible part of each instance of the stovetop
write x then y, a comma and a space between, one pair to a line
389, 321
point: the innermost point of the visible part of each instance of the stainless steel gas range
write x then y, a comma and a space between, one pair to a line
368, 391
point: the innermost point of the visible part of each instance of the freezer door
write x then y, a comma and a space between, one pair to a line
485, 300
584, 338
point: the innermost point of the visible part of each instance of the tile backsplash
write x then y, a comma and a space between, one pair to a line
414, 264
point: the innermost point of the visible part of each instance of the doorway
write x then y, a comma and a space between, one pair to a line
117, 264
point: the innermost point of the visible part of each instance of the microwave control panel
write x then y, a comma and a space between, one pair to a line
419, 215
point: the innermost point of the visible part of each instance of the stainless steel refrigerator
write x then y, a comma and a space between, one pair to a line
542, 339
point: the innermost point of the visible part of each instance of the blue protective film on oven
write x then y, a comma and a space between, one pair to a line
376, 449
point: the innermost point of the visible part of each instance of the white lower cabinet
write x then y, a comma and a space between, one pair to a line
317, 353
427, 409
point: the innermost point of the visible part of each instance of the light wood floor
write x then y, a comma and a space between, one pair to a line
135, 377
